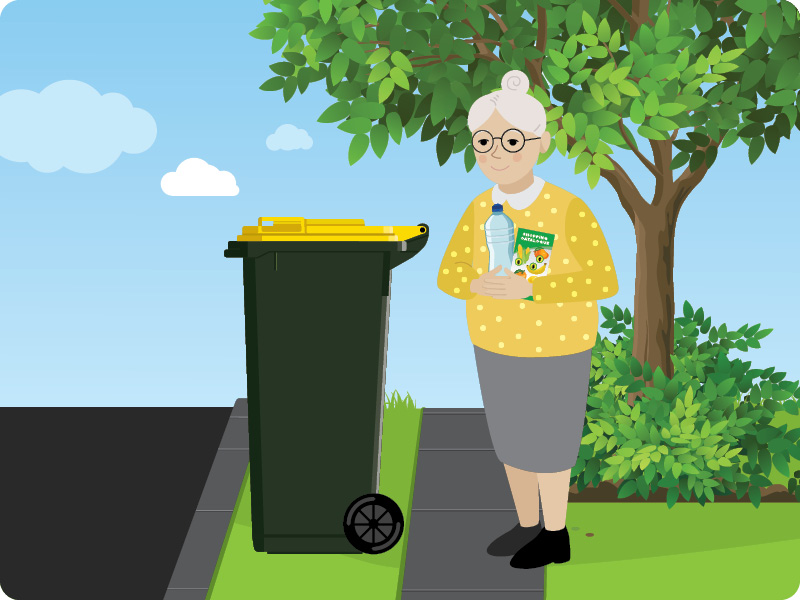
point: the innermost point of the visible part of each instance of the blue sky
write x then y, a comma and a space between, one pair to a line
117, 294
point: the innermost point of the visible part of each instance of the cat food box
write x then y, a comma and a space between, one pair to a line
532, 253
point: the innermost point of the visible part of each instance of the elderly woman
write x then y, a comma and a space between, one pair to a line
533, 358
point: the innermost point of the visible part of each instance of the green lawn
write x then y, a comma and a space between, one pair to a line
647, 551
637, 551
244, 574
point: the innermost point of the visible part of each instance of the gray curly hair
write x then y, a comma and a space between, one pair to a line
513, 103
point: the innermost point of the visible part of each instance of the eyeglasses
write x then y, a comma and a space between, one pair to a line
512, 140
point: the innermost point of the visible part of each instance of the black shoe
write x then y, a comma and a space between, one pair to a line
547, 547
511, 541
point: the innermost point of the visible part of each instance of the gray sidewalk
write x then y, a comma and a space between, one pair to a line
462, 501
203, 544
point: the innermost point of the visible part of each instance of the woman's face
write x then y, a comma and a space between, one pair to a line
501, 166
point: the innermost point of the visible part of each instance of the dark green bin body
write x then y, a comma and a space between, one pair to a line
316, 328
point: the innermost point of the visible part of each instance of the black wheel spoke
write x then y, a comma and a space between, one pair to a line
383, 514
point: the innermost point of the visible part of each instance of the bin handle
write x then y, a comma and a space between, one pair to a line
299, 222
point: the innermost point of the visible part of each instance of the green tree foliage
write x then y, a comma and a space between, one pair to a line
403, 66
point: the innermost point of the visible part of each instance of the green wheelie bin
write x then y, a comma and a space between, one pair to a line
316, 306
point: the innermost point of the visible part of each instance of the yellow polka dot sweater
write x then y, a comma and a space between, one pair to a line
563, 317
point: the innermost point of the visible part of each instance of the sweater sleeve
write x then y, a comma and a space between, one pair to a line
596, 278
456, 271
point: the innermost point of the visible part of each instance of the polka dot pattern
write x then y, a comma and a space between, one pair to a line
563, 319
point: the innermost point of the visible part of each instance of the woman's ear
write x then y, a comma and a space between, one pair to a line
545, 141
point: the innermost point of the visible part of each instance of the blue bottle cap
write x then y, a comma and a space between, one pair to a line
497, 208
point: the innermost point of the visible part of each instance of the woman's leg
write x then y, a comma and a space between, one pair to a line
525, 490
555, 494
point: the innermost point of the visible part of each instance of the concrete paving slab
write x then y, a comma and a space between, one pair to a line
224, 480
186, 594
235, 436
454, 429
239, 408
451, 555
458, 479
200, 551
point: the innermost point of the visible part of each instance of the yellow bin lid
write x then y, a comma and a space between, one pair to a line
328, 230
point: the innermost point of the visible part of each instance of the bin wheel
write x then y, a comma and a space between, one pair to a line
373, 523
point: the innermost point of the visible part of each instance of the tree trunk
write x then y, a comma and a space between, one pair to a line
654, 294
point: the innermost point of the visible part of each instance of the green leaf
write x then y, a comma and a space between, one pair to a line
444, 147
752, 6
358, 147
359, 28
348, 15
379, 55
597, 93
663, 123
469, 159
755, 27
589, 26
356, 125
637, 112
603, 162
559, 59
283, 68
611, 93
273, 85
399, 78
615, 42
628, 88
756, 146
582, 162
325, 10
395, 126
651, 105
378, 72
681, 158
696, 160
379, 138
339, 68
385, 89
670, 109
335, 112
443, 103
401, 60
593, 175
604, 31
782, 98
661, 29
618, 75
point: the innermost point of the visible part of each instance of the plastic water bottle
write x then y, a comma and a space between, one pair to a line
499, 230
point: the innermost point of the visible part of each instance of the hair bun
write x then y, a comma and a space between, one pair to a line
516, 81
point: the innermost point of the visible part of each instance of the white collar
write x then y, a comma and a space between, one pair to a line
522, 199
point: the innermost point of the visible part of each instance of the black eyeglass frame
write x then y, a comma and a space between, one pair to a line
524, 139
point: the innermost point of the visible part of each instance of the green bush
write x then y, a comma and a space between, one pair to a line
705, 431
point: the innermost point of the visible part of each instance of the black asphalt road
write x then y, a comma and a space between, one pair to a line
95, 502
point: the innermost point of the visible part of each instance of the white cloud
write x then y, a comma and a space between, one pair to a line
195, 177
3, 4
289, 137
70, 125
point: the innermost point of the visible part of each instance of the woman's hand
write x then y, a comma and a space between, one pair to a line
507, 287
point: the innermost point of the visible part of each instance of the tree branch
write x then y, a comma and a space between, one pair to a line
687, 181
650, 166
623, 12
629, 196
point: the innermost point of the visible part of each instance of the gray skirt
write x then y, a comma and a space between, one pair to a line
535, 407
